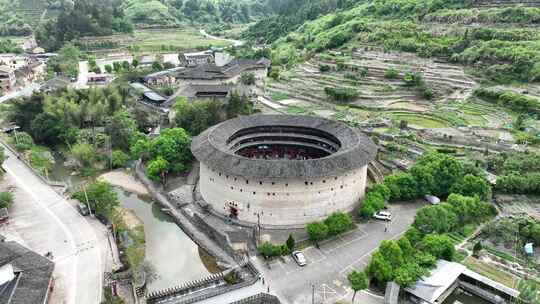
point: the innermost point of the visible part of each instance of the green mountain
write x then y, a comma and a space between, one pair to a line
500, 39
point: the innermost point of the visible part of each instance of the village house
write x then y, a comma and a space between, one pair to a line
25, 276
99, 79
195, 59
229, 73
7, 78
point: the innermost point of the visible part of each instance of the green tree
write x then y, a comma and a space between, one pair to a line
6, 199
101, 197
119, 159
140, 148
157, 169
108, 68
290, 242
380, 269
266, 249
338, 222
477, 248
528, 291
174, 146
156, 66
317, 231
23, 141
435, 219
358, 280
392, 253
238, 105
135, 63
122, 129
471, 185
391, 73
247, 79
84, 153
440, 246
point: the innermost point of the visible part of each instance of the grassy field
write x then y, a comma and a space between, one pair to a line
420, 120
187, 38
491, 272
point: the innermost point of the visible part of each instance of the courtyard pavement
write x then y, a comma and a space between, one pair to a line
328, 266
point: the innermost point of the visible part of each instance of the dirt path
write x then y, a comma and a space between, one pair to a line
124, 180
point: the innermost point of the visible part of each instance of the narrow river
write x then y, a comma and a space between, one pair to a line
173, 256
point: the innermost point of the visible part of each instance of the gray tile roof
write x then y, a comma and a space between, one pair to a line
232, 69
211, 148
33, 277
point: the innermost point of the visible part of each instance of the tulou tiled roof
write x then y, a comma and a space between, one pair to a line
211, 148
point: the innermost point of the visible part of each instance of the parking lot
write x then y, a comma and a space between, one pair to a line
325, 276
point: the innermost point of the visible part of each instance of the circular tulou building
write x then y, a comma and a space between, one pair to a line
282, 170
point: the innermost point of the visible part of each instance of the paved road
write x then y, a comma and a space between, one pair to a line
82, 79
50, 223
328, 266
234, 42
24, 91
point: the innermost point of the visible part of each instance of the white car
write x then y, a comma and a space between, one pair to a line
383, 216
299, 257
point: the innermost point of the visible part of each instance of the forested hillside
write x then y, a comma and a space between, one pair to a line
501, 41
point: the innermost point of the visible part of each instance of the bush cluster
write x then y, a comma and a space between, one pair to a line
335, 224
509, 99
341, 94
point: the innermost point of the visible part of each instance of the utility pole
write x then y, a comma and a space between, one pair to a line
312, 293
87, 202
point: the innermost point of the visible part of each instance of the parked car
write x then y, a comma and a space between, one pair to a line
383, 216
299, 257
432, 199
83, 209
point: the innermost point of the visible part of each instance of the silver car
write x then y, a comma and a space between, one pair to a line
299, 257
383, 216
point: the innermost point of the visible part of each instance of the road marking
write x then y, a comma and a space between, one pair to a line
62, 225
369, 253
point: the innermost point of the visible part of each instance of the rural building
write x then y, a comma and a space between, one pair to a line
99, 78
7, 78
447, 277
146, 95
282, 169
207, 91
160, 78
229, 73
195, 59
25, 276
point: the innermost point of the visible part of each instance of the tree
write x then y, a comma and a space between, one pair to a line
471, 185
391, 73
108, 68
392, 253
266, 249
135, 63
338, 222
84, 153
6, 199
157, 169
477, 248
408, 273
317, 231
290, 242
3, 155
440, 246
435, 219
101, 197
358, 280
119, 159
125, 65
238, 105
528, 291
402, 186
196, 117
140, 149
122, 129
380, 269
23, 141
247, 79
173, 145
156, 66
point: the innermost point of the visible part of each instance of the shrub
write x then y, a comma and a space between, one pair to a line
324, 68
341, 94
391, 73
6, 199
119, 159
338, 223
317, 231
